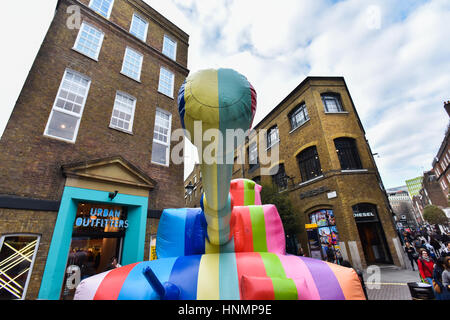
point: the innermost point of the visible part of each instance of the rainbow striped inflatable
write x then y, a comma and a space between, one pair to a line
233, 247
253, 266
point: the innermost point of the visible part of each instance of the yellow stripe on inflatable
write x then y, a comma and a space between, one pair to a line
208, 278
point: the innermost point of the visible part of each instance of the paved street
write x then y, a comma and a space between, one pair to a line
391, 284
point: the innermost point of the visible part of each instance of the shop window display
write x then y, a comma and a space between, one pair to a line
328, 233
96, 240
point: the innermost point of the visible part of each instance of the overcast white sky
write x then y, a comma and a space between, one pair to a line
394, 55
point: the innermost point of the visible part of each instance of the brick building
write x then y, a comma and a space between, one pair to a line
85, 154
326, 165
441, 163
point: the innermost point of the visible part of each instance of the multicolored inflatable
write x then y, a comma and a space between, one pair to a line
233, 247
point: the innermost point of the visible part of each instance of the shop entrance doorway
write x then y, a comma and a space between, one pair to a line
371, 234
96, 240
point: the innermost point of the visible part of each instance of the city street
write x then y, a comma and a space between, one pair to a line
393, 284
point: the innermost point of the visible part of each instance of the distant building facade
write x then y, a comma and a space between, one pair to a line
402, 206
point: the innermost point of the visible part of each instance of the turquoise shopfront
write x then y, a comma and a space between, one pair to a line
96, 224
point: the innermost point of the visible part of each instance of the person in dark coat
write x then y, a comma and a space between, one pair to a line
412, 254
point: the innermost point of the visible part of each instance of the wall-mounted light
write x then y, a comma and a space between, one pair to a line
112, 195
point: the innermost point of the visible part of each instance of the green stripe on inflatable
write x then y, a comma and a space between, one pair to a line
258, 228
249, 193
284, 288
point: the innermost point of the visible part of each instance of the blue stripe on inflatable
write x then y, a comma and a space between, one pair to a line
228, 277
168, 241
195, 232
185, 275
181, 104
136, 287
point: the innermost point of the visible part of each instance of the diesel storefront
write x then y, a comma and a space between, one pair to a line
344, 218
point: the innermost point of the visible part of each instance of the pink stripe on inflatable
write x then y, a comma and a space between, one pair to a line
297, 270
86, 289
258, 189
276, 241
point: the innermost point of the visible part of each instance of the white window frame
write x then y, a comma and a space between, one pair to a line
272, 143
140, 65
111, 125
253, 148
161, 142
135, 14
172, 84
174, 50
336, 98
79, 116
27, 282
109, 10
79, 37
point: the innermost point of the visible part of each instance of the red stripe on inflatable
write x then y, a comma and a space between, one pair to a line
111, 285
243, 234
251, 264
237, 191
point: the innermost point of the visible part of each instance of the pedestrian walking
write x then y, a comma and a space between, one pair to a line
446, 279
446, 251
330, 254
426, 266
412, 254
113, 264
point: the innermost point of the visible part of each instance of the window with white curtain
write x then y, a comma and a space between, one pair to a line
161, 137
169, 47
139, 27
166, 82
132, 64
103, 7
123, 112
89, 41
65, 117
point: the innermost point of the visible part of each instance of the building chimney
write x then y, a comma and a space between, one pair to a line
447, 107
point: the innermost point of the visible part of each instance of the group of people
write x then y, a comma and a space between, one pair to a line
431, 254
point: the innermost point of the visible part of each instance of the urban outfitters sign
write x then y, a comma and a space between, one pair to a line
101, 217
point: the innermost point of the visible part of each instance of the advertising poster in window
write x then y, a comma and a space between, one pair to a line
327, 230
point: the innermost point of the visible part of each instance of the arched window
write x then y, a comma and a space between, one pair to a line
332, 102
348, 153
309, 163
17, 254
298, 116
272, 136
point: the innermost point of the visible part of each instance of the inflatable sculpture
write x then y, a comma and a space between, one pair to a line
233, 247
